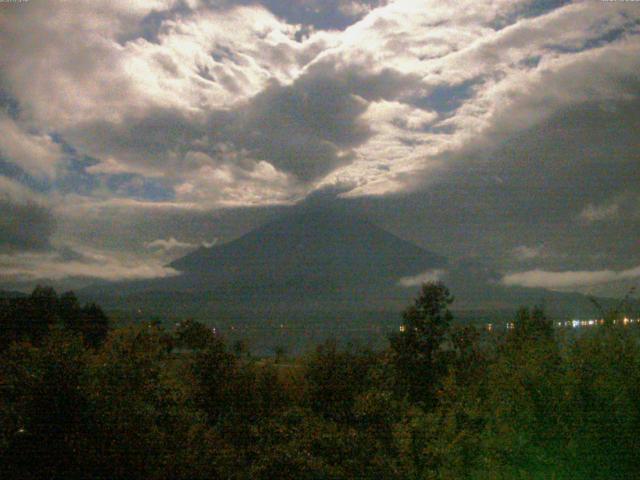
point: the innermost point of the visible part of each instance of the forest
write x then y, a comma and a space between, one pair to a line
81, 398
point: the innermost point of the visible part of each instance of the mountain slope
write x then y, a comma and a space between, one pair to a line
318, 262
318, 250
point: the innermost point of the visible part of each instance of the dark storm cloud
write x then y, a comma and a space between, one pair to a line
317, 14
9, 104
25, 224
25, 227
303, 128
532, 191
306, 128
146, 143
321, 14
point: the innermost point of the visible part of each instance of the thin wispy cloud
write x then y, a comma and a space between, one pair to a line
598, 213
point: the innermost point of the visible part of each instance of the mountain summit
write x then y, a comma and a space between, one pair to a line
315, 260
319, 251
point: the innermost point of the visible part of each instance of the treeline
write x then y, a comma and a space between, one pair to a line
32, 317
441, 402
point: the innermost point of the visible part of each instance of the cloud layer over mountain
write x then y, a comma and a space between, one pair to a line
482, 128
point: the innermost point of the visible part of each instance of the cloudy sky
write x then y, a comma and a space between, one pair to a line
507, 131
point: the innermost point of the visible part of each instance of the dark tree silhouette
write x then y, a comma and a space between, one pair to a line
193, 335
94, 326
32, 318
70, 311
335, 377
417, 347
280, 352
531, 325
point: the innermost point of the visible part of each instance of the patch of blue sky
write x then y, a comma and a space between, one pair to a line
531, 62
322, 14
447, 129
445, 99
540, 7
14, 172
150, 26
604, 39
9, 104
532, 9
132, 185
76, 179
128, 185
57, 138
73, 177
223, 53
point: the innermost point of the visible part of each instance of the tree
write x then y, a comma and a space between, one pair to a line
417, 349
38, 313
531, 326
94, 325
602, 397
42, 408
31, 318
280, 352
134, 410
214, 369
70, 311
335, 378
193, 335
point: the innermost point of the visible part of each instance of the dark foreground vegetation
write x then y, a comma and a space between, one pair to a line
80, 400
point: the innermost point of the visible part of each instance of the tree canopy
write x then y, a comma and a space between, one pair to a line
443, 401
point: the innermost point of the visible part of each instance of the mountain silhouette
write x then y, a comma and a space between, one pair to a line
318, 252
323, 271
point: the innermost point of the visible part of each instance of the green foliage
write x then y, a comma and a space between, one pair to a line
418, 348
193, 335
280, 352
129, 401
603, 403
531, 327
213, 370
523, 406
94, 325
31, 318
335, 378
443, 402
42, 407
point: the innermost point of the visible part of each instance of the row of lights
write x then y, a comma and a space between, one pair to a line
569, 323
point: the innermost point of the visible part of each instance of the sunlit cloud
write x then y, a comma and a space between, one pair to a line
35, 153
598, 213
169, 244
425, 277
566, 279
52, 266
